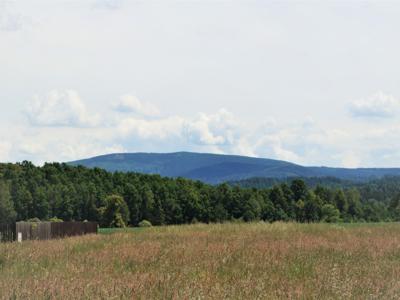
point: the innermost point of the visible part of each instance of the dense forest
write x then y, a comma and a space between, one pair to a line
59, 191
268, 182
381, 189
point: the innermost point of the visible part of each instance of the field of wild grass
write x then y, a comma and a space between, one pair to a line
235, 261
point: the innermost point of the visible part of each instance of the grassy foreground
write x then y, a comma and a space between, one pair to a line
235, 261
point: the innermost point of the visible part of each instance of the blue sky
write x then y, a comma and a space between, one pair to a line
313, 82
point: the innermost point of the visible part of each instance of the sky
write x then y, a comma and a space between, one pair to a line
311, 82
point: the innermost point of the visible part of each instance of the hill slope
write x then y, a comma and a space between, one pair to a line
215, 168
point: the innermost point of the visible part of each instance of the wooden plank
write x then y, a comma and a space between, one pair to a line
7, 232
46, 230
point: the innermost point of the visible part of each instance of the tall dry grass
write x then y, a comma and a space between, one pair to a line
227, 261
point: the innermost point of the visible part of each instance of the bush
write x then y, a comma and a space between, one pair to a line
34, 220
56, 220
145, 223
115, 213
330, 214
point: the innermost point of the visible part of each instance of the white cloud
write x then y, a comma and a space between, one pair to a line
108, 4
220, 132
131, 104
284, 154
65, 130
11, 20
60, 108
71, 152
269, 125
349, 159
194, 56
151, 129
5, 151
217, 129
62, 143
379, 105
32, 148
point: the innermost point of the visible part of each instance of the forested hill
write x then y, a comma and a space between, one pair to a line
120, 199
215, 168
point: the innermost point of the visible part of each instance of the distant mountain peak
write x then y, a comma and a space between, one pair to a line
217, 168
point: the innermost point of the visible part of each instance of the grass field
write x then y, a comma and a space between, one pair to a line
235, 261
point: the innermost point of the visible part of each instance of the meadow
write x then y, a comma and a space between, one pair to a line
220, 261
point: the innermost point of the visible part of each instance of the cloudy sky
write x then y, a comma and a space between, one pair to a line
313, 82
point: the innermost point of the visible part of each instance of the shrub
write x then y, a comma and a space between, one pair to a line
56, 220
34, 220
330, 214
115, 213
145, 223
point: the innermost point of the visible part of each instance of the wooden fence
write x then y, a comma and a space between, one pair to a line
7, 232
45, 230
60, 230
33, 231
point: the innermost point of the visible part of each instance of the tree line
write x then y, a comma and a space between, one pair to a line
60, 191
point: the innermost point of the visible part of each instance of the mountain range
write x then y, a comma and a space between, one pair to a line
218, 168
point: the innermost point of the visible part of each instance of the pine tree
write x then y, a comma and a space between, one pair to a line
7, 212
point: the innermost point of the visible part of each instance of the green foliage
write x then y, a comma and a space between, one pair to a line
145, 223
394, 207
78, 193
312, 208
330, 214
341, 202
115, 213
55, 220
34, 220
266, 182
299, 189
7, 212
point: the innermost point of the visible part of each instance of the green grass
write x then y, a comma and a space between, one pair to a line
119, 230
220, 261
